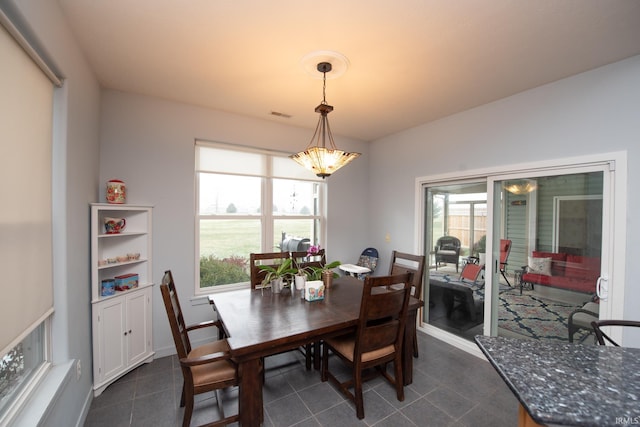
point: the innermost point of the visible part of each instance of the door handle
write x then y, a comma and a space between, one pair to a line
602, 288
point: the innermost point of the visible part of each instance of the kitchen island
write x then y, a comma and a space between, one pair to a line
568, 384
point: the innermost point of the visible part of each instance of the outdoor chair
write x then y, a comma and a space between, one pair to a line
582, 318
447, 250
206, 368
407, 263
377, 339
505, 250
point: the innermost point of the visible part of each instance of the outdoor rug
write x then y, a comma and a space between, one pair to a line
536, 317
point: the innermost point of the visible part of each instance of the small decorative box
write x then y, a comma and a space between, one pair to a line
314, 290
126, 282
108, 287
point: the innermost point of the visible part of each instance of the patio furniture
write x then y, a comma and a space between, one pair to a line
447, 251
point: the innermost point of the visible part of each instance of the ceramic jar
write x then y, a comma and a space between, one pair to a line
116, 192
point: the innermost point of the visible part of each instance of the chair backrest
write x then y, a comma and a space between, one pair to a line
301, 259
603, 338
269, 258
368, 258
470, 272
174, 314
407, 263
383, 313
505, 250
448, 243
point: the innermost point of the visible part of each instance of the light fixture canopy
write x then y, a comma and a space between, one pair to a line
319, 158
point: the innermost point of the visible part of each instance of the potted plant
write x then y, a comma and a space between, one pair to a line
277, 274
323, 272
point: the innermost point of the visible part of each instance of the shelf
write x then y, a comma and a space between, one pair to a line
120, 293
118, 264
124, 234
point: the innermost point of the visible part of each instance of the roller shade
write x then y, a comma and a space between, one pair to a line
26, 117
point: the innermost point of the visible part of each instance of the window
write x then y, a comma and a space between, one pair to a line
250, 200
26, 128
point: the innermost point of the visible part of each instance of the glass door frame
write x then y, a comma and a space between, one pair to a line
614, 168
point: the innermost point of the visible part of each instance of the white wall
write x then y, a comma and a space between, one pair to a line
594, 112
149, 144
75, 186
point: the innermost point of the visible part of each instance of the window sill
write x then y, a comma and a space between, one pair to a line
37, 408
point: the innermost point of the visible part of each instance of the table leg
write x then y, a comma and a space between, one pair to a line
250, 393
407, 347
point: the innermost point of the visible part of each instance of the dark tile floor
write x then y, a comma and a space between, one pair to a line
450, 388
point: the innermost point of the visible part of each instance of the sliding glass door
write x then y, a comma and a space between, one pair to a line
538, 244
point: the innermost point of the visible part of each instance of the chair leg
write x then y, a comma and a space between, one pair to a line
188, 410
399, 379
357, 392
415, 344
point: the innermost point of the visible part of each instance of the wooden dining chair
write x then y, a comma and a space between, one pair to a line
602, 337
206, 368
377, 340
301, 259
257, 277
408, 263
268, 258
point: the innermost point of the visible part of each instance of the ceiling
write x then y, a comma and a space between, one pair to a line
410, 61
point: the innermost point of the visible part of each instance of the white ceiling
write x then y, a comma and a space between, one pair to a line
411, 61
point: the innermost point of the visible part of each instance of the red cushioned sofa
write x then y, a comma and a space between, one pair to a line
572, 272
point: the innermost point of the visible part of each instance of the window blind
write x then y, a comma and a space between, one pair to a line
26, 120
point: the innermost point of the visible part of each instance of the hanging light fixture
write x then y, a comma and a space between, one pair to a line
317, 157
524, 187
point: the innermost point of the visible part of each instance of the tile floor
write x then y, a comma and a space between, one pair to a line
450, 388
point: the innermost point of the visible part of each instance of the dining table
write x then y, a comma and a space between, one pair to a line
567, 384
259, 323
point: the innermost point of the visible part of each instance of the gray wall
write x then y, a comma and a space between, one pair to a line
593, 112
149, 144
75, 185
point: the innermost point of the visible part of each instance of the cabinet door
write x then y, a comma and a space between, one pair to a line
109, 328
138, 326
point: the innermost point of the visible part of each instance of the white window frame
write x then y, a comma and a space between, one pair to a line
266, 215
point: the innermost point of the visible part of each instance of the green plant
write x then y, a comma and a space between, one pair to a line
315, 273
215, 271
480, 246
283, 270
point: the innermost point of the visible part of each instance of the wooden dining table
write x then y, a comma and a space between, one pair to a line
259, 323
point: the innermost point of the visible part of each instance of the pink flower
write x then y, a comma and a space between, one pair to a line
313, 250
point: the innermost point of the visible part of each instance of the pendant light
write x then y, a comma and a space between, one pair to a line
319, 158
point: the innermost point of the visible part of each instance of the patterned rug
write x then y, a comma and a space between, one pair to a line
536, 317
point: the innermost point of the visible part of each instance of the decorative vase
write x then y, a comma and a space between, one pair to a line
327, 278
276, 285
116, 192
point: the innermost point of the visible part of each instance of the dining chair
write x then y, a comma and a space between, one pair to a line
602, 337
377, 340
257, 277
268, 258
408, 263
302, 259
206, 368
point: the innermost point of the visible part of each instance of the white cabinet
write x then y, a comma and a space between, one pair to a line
122, 322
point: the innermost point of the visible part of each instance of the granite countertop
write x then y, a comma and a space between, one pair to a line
569, 384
